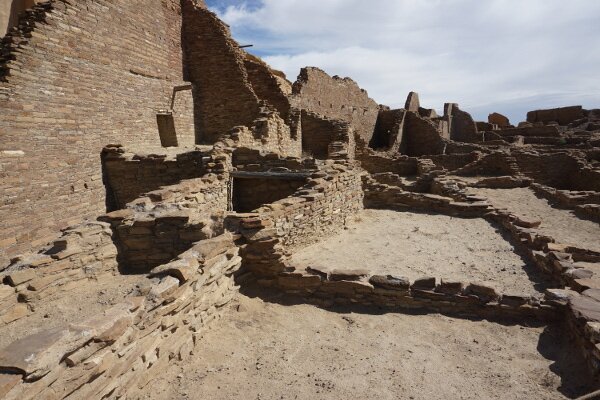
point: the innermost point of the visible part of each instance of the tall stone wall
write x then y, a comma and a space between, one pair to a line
73, 79
224, 97
336, 98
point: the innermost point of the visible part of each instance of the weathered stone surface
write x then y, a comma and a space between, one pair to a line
412, 102
390, 282
498, 119
484, 292
450, 287
7, 382
586, 307
183, 270
425, 283
14, 313
348, 274
19, 277
514, 300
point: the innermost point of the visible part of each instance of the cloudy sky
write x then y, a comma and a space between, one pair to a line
508, 56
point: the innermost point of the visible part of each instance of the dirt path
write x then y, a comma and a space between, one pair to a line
269, 351
418, 245
562, 225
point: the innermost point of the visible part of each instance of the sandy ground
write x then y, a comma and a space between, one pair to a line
417, 245
88, 299
562, 225
270, 351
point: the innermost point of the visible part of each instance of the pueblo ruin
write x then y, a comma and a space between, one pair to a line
179, 220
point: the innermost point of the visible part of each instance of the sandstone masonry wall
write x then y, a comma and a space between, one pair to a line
115, 354
71, 81
336, 98
215, 65
156, 228
127, 175
318, 209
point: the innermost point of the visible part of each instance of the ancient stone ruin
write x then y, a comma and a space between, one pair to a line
157, 179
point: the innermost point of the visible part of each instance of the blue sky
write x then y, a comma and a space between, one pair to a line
508, 56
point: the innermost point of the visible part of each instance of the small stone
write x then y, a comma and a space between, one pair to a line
484, 292
348, 274
450, 287
390, 282
426, 283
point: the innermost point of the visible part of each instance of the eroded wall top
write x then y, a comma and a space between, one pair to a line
336, 98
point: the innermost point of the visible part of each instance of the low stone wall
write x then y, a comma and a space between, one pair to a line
564, 170
318, 209
128, 175
117, 353
398, 294
452, 162
585, 203
390, 197
157, 227
378, 162
84, 252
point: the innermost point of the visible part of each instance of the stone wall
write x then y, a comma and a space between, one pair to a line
82, 253
116, 353
462, 126
389, 131
223, 96
252, 192
270, 134
318, 209
336, 98
563, 115
318, 133
71, 81
128, 175
164, 223
379, 162
422, 136
560, 170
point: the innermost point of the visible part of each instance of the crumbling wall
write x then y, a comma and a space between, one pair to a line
10, 11
116, 353
164, 223
82, 253
462, 126
268, 84
71, 81
128, 175
250, 193
336, 98
560, 171
563, 115
378, 162
389, 131
318, 209
269, 133
317, 134
422, 136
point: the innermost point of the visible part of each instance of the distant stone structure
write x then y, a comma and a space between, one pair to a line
498, 119
263, 168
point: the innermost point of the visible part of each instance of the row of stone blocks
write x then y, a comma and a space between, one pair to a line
115, 354
397, 293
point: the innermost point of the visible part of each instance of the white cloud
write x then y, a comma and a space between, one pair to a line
495, 55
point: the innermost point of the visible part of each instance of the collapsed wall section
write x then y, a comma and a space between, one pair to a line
71, 81
127, 175
223, 95
336, 98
